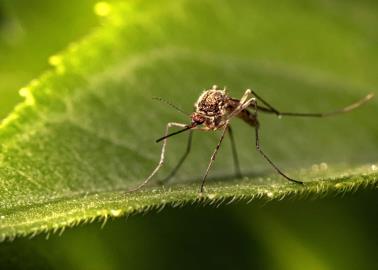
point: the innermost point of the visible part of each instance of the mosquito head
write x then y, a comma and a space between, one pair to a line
197, 119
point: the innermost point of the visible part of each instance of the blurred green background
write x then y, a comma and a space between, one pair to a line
331, 233
30, 32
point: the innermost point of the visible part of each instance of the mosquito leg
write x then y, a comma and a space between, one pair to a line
162, 155
265, 103
213, 157
262, 152
234, 153
182, 159
246, 96
270, 109
244, 102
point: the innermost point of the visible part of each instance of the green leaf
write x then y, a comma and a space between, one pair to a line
85, 133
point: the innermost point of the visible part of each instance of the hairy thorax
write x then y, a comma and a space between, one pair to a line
213, 106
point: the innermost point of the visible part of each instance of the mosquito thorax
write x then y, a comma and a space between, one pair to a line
212, 106
212, 102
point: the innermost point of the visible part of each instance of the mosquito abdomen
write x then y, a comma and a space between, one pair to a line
248, 117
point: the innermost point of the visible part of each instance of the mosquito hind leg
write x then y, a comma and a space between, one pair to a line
263, 153
270, 109
162, 156
182, 159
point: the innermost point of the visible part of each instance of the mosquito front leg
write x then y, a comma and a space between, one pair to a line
162, 155
213, 157
262, 152
234, 152
182, 159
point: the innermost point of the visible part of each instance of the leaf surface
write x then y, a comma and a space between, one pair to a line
85, 133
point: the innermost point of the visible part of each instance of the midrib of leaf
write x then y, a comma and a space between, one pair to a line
50, 208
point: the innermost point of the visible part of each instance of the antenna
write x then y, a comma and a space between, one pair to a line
170, 104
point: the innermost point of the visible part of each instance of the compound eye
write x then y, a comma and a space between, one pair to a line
198, 119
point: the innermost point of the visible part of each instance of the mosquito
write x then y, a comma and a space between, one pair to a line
214, 110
